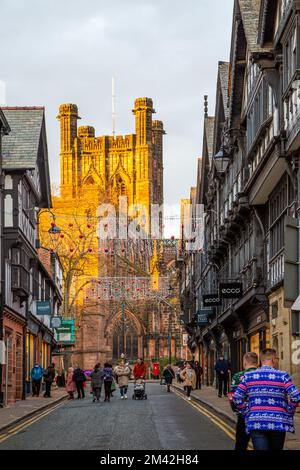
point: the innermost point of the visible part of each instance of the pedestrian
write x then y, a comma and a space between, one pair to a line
199, 372
168, 375
122, 372
188, 375
79, 378
61, 379
96, 382
250, 363
222, 368
268, 398
49, 376
139, 370
36, 377
107, 376
70, 384
178, 372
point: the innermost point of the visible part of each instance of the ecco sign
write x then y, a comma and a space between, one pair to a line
231, 290
212, 300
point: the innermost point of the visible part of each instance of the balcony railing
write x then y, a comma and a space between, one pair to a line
276, 269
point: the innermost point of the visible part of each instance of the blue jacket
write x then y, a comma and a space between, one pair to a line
268, 399
37, 373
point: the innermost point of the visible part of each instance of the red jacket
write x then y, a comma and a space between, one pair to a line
139, 371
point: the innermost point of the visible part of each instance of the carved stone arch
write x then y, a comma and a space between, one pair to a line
110, 323
132, 342
120, 180
93, 178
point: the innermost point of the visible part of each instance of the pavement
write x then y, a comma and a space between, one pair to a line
23, 409
165, 421
208, 396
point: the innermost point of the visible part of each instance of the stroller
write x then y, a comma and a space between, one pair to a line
139, 390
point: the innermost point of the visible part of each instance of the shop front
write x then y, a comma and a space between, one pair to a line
12, 372
39, 345
258, 333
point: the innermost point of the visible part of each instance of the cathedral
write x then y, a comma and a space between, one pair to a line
130, 165
118, 291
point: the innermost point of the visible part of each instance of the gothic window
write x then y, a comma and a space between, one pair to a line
125, 331
121, 186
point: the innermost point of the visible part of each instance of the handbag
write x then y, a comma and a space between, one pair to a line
113, 386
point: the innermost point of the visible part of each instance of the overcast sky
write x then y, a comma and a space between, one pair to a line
60, 51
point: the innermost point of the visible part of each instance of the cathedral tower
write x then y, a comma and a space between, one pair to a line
143, 110
68, 116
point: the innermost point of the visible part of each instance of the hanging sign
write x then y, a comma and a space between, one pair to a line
205, 311
55, 322
212, 300
202, 319
231, 290
43, 307
65, 334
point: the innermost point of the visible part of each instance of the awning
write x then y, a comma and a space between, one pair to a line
296, 305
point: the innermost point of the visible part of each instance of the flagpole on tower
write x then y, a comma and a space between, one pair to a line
113, 93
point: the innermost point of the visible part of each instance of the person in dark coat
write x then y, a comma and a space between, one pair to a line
49, 376
79, 378
199, 372
169, 375
96, 382
107, 376
222, 369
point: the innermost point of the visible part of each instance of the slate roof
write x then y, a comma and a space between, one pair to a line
224, 84
20, 147
250, 12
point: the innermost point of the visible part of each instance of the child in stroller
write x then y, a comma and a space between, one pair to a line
139, 390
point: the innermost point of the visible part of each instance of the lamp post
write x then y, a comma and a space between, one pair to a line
53, 231
221, 160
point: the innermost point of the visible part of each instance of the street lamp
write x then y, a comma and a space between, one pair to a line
54, 230
221, 160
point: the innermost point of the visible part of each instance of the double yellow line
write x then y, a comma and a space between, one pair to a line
16, 429
212, 417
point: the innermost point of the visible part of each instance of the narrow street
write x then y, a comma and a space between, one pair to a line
163, 421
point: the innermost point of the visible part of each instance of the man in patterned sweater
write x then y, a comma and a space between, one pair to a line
268, 398
250, 362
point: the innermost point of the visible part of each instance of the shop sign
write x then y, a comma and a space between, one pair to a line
205, 311
55, 322
185, 338
212, 300
202, 320
43, 307
65, 334
231, 290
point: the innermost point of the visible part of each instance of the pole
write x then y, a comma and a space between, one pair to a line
113, 92
124, 333
170, 339
2, 267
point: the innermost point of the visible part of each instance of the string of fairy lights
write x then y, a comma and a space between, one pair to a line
121, 288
